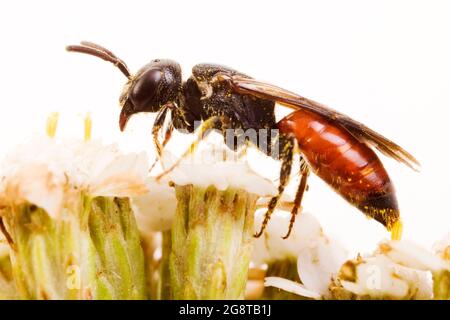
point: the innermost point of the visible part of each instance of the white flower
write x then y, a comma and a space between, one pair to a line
442, 247
318, 257
380, 278
413, 256
271, 245
397, 270
291, 286
48, 172
320, 263
214, 164
155, 210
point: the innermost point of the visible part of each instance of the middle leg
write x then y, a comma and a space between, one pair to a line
286, 157
202, 133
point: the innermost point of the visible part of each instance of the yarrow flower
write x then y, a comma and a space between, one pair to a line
396, 270
211, 234
271, 246
317, 258
47, 172
378, 277
66, 213
214, 164
413, 256
155, 209
442, 247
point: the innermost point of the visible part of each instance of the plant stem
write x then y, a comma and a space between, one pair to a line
441, 285
92, 251
211, 242
7, 287
165, 290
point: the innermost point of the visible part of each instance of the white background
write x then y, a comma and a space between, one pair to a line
385, 63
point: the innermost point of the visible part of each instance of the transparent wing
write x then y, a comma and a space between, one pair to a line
295, 101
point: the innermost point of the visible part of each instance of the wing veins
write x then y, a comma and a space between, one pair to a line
295, 101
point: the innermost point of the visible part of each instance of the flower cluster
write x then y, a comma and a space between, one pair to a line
67, 221
49, 172
83, 220
396, 270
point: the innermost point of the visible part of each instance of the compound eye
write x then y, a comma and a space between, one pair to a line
145, 90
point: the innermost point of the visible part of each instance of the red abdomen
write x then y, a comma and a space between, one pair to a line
349, 166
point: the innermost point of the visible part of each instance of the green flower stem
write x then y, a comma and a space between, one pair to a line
211, 243
92, 251
7, 287
441, 285
165, 290
286, 269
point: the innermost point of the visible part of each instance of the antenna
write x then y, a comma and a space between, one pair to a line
96, 50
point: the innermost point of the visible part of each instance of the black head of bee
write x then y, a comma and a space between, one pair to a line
155, 85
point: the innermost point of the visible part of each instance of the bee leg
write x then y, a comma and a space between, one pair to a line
282, 205
202, 133
286, 157
167, 135
160, 146
304, 170
157, 125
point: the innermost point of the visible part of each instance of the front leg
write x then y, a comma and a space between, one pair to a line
157, 125
167, 135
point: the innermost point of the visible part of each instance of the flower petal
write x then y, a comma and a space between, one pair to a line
271, 245
155, 209
380, 278
218, 166
36, 184
319, 263
290, 286
123, 176
48, 172
413, 256
442, 247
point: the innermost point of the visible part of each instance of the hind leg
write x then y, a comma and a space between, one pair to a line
304, 171
286, 158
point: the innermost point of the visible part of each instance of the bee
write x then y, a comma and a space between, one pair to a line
333, 146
